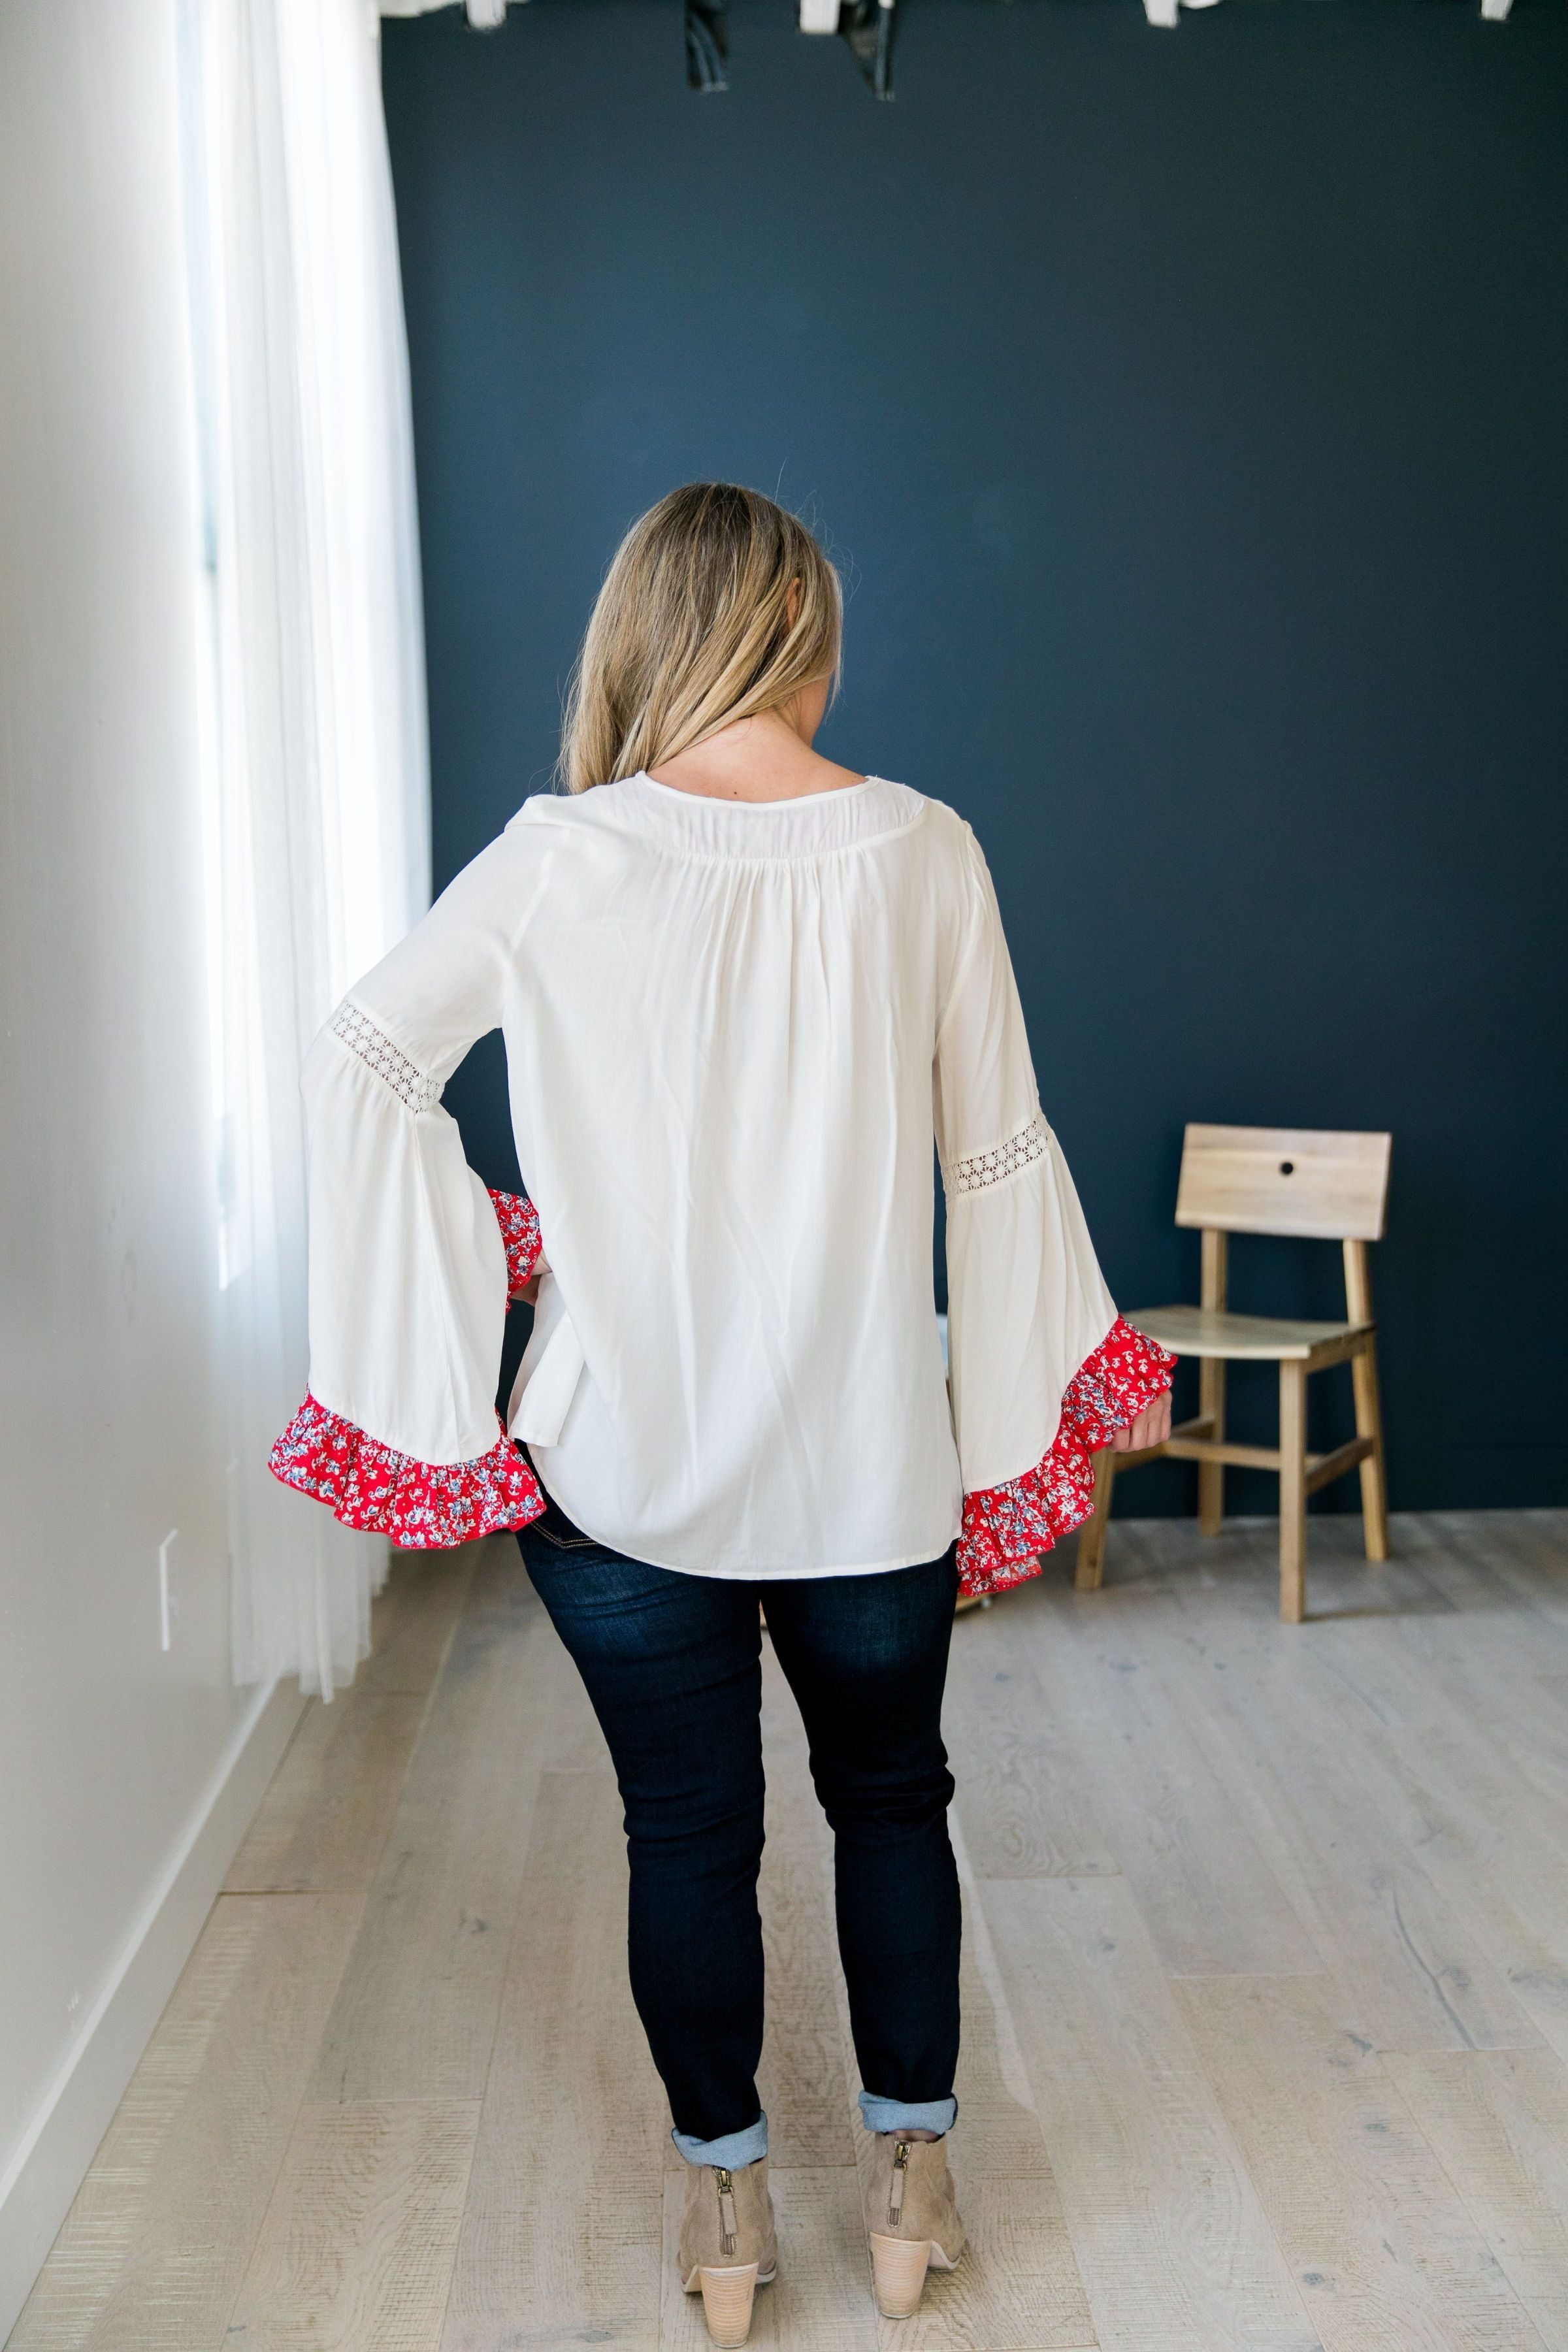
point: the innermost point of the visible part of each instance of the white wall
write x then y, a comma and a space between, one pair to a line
125, 1773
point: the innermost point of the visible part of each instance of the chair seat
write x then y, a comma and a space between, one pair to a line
1262, 1338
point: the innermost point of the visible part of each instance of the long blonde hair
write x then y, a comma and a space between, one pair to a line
693, 631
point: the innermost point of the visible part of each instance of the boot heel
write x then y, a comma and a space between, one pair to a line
727, 2302
898, 2273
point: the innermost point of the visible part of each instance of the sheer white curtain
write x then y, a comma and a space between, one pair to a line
317, 831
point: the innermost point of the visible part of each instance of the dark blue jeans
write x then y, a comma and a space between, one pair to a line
672, 1665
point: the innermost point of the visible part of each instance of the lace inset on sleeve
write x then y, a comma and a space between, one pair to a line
406, 1080
987, 1168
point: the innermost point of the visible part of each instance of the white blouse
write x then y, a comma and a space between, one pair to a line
731, 1030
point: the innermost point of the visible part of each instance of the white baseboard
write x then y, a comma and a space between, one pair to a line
48, 2169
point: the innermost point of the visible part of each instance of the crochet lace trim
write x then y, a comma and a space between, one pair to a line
987, 1168
360, 1035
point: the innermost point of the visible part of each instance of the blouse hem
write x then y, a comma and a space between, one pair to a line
758, 1575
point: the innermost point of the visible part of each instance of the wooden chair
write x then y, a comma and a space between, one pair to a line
1269, 1179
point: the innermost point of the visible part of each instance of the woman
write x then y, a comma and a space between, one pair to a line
740, 988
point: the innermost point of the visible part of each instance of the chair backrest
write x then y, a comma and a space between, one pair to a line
1284, 1179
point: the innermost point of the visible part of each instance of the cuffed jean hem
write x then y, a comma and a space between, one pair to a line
733, 2152
906, 2115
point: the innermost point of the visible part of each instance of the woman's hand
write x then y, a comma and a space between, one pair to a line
530, 1291
1152, 1427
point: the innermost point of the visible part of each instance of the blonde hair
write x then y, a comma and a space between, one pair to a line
691, 631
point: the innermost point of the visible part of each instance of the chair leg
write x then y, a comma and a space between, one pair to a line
1292, 1493
1092, 1535
1369, 1423
1211, 1475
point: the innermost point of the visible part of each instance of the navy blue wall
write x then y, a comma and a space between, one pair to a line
1190, 416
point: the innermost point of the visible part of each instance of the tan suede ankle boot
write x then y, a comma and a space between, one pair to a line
727, 2247
911, 2218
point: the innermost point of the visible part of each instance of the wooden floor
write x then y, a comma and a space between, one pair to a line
1266, 1992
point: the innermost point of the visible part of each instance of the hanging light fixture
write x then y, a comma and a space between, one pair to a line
707, 46
867, 25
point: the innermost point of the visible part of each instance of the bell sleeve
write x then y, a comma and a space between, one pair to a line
1043, 1370
412, 1262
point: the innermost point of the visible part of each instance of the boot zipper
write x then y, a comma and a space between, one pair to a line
896, 2192
726, 2208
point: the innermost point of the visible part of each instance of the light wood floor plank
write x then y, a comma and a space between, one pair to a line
355, 2253
1430, 1869
89, 2252
1415, 1975
414, 1615
1497, 2122
1175, 2250
993, 2088
1491, 1849
1472, 1783
1468, 1563
1525, 1550
1384, 2249
325, 1817
1025, 1797
1208, 1895
416, 2013
202, 2208
562, 2231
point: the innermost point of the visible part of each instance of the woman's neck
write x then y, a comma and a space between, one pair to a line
761, 759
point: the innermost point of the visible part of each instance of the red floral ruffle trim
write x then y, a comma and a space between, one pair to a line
1006, 1528
421, 1506
518, 1222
